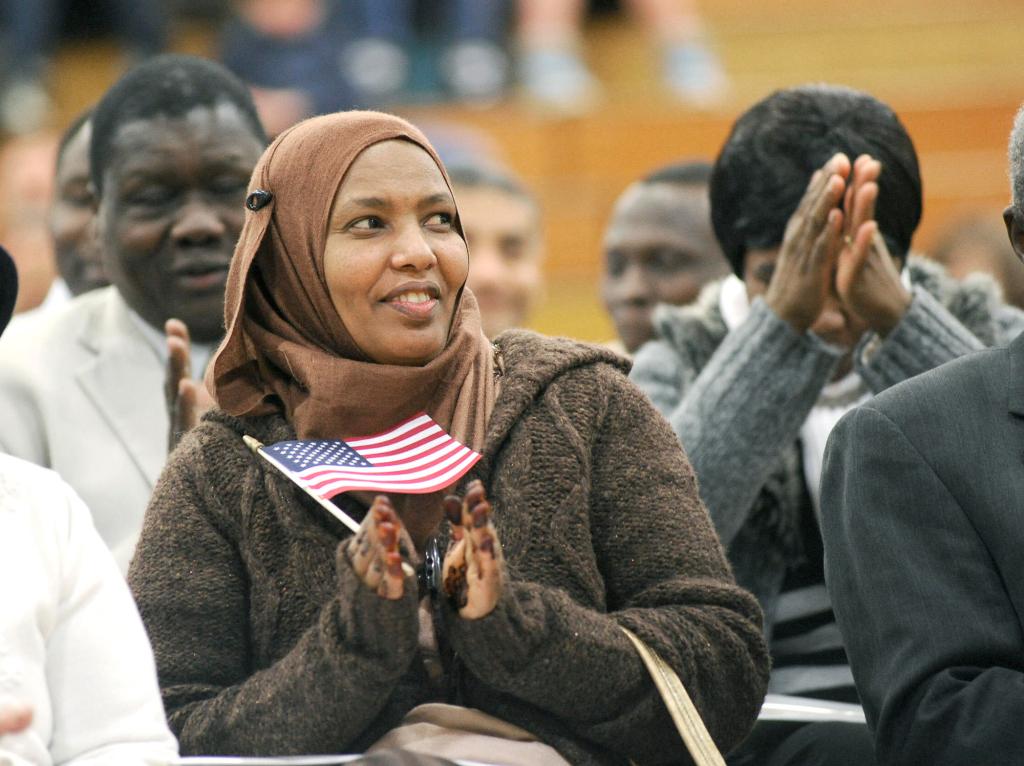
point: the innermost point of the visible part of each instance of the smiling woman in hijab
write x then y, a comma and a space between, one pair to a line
277, 631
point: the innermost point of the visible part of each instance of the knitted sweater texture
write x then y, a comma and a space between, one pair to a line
267, 643
737, 400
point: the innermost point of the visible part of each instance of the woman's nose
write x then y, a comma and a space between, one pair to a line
412, 250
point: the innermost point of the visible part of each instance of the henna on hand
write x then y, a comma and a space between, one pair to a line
473, 566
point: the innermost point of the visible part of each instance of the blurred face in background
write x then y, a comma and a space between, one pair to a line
503, 231
26, 177
659, 248
71, 218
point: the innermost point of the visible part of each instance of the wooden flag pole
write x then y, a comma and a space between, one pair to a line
257, 446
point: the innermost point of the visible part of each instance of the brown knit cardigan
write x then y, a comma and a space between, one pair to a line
267, 643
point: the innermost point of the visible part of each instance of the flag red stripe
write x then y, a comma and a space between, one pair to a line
410, 488
430, 443
435, 467
398, 441
428, 458
406, 425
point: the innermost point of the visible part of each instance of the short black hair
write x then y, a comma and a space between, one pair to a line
70, 132
685, 173
169, 85
774, 148
471, 175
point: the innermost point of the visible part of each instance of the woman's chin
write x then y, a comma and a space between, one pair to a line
413, 355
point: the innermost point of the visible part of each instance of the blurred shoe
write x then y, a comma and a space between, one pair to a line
24, 106
378, 69
476, 71
557, 79
695, 75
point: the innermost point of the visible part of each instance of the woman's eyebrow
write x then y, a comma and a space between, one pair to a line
436, 199
374, 202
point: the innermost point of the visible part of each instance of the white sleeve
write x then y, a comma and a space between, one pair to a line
99, 664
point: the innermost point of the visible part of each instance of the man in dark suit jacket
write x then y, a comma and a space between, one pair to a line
923, 521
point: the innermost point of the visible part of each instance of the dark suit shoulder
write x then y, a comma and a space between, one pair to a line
970, 387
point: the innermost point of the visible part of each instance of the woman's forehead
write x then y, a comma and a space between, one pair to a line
393, 167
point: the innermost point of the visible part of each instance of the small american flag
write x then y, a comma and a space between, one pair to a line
415, 457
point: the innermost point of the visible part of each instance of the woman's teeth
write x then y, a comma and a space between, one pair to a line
413, 298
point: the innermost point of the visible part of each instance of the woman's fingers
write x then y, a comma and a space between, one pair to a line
828, 243
859, 204
852, 262
375, 550
453, 574
361, 548
452, 506
483, 559
863, 207
392, 578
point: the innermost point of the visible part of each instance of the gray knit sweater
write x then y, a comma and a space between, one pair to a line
737, 401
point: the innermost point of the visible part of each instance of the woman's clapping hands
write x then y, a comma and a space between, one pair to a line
376, 550
473, 570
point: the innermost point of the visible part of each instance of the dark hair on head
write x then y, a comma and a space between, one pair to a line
471, 175
687, 173
774, 148
70, 132
168, 86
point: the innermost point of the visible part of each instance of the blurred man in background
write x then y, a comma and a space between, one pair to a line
503, 229
26, 177
71, 213
173, 145
659, 248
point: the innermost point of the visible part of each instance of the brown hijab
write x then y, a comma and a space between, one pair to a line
287, 349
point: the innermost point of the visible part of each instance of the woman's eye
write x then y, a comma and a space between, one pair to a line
366, 224
440, 219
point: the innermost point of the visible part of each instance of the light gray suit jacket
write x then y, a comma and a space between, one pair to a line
81, 392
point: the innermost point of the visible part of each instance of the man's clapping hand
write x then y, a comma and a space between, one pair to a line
186, 399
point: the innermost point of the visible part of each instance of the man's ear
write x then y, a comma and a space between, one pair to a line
1014, 229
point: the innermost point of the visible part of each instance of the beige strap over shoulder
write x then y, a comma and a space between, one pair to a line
684, 715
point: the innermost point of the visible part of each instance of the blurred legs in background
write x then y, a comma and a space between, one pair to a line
31, 31
473, 66
553, 72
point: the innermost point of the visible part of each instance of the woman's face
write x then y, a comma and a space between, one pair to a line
394, 261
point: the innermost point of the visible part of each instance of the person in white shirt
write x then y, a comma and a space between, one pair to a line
77, 679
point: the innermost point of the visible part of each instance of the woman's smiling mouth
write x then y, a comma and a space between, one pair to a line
416, 301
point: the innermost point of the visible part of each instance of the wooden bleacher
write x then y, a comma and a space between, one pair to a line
949, 68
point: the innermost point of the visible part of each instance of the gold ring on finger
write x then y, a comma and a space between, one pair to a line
848, 240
